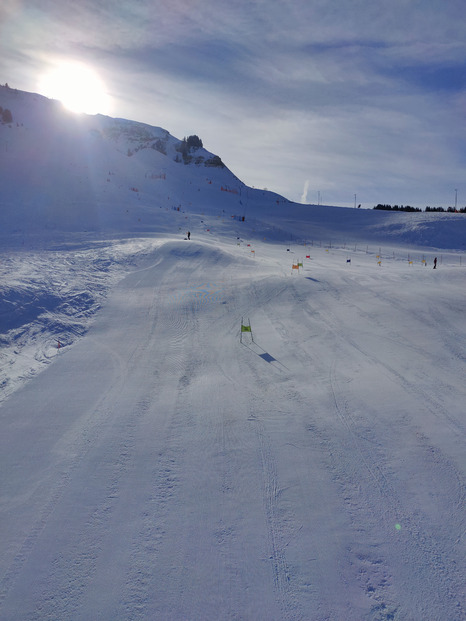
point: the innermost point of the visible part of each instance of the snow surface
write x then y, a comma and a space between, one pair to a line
163, 464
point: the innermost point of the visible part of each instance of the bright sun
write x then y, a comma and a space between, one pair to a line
77, 86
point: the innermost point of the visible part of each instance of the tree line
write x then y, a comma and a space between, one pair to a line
427, 209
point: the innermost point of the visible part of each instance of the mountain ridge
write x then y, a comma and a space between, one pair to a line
55, 162
68, 172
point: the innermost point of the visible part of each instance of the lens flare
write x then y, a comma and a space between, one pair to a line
77, 86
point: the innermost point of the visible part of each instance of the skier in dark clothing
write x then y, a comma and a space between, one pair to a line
189, 235
435, 263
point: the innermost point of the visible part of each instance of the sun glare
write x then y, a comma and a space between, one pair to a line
78, 87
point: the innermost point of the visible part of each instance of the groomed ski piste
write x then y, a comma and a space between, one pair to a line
265, 422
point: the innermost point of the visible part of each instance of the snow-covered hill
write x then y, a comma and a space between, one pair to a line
62, 171
263, 422
65, 172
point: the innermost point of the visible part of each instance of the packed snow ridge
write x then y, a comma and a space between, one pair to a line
264, 421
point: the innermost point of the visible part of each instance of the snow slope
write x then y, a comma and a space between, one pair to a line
166, 465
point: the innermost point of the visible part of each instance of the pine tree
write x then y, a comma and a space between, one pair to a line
7, 117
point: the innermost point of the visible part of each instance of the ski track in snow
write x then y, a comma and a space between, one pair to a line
169, 471
423, 549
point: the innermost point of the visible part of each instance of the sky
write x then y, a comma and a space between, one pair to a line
339, 102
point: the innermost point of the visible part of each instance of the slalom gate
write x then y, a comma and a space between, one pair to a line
247, 330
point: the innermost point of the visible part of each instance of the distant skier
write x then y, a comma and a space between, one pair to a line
435, 263
189, 235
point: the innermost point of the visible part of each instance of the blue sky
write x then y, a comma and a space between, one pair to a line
309, 98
